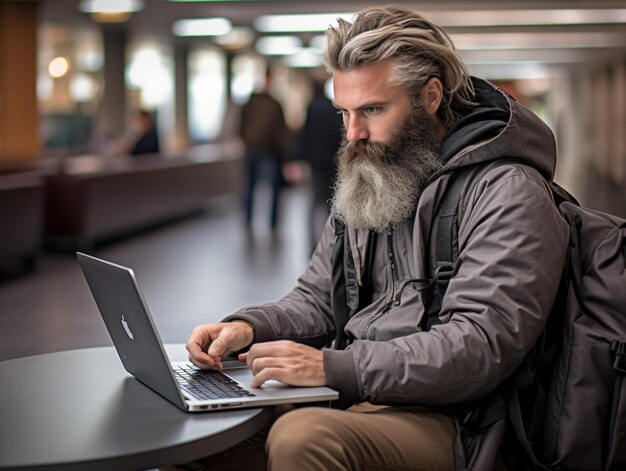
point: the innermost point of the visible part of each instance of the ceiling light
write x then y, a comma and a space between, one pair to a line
83, 88
278, 45
58, 67
305, 57
237, 38
562, 40
471, 18
511, 71
110, 11
544, 56
110, 6
202, 27
492, 18
298, 23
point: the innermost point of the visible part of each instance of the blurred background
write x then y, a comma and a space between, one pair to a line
74, 75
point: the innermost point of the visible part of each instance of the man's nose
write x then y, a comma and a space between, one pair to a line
356, 130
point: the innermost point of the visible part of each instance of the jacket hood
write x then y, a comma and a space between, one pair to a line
499, 128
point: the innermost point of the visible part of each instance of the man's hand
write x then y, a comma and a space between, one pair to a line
289, 362
209, 343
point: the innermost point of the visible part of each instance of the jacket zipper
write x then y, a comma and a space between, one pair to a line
394, 284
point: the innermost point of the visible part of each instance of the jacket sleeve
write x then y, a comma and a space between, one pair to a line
304, 314
512, 243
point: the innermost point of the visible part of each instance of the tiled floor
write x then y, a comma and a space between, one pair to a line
194, 271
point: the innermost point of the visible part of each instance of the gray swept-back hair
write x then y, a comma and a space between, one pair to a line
418, 48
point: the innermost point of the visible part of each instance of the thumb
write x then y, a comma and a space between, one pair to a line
217, 347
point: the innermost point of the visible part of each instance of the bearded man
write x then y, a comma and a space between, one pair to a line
413, 116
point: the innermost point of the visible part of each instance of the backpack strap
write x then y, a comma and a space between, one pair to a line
340, 259
338, 298
619, 353
446, 234
446, 238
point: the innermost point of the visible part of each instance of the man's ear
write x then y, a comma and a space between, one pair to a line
431, 95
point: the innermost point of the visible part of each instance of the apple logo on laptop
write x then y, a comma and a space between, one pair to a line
127, 329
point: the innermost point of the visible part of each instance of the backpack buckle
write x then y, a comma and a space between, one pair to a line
443, 272
619, 349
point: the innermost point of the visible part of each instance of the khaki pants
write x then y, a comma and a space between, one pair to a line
364, 437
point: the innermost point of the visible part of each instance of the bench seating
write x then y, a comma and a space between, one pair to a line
94, 198
21, 219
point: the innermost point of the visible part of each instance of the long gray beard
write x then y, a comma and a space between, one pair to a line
378, 185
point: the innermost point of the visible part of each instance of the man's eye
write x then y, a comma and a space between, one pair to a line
372, 109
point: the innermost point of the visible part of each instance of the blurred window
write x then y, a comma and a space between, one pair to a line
69, 77
248, 75
150, 82
207, 93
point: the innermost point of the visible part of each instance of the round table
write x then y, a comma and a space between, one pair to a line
79, 409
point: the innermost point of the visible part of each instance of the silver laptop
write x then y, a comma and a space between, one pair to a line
138, 344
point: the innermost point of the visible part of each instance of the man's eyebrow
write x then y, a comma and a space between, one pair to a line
373, 104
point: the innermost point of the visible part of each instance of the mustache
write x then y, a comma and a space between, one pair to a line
376, 153
419, 132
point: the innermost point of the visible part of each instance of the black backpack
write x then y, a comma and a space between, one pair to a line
566, 404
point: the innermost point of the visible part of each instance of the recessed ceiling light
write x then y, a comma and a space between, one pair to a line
298, 23
278, 45
540, 40
237, 37
202, 27
458, 18
58, 67
110, 6
305, 57
487, 18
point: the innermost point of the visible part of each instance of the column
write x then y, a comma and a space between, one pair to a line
181, 94
111, 119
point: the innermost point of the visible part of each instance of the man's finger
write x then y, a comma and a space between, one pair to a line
193, 347
262, 363
198, 341
197, 353
205, 362
280, 348
278, 374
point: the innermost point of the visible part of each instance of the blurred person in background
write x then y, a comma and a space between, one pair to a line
317, 144
265, 134
146, 135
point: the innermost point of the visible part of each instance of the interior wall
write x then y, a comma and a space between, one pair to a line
19, 119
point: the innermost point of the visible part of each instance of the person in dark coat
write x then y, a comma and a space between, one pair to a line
318, 144
264, 133
148, 139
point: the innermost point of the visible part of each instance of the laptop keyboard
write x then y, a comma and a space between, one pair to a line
205, 385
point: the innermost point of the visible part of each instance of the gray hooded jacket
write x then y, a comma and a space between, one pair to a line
511, 246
